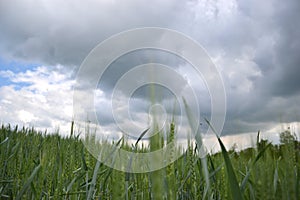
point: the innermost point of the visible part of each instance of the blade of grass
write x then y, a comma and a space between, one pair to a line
28, 182
194, 126
127, 175
5, 140
259, 155
93, 182
141, 136
234, 186
275, 181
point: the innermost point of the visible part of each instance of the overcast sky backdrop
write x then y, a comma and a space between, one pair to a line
254, 44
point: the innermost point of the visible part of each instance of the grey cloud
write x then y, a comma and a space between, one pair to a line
256, 44
278, 60
133, 59
270, 30
55, 32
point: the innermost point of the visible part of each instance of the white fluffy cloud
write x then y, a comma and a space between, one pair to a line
41, 98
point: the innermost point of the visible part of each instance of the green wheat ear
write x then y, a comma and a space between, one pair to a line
200, 147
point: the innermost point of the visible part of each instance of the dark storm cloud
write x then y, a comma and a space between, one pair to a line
123, 64
64, 32
280, 62
267, 37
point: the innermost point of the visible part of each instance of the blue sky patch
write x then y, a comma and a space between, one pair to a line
15, 67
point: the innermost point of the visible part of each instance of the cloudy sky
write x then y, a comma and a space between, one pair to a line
255, 46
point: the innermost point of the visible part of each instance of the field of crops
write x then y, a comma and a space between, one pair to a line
47, 166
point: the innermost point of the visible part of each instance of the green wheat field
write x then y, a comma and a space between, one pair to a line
37, 165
